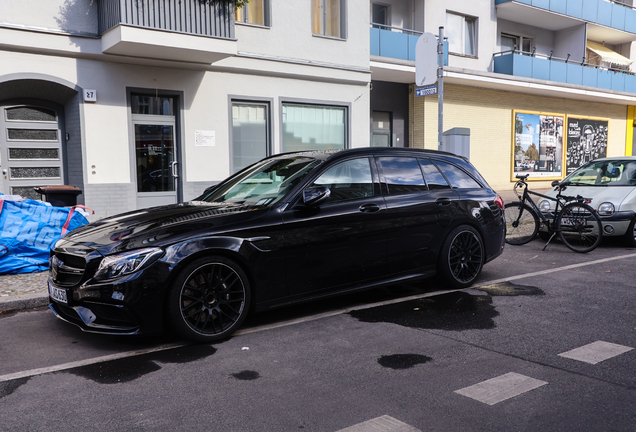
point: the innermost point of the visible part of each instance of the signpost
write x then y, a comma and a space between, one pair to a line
429, 68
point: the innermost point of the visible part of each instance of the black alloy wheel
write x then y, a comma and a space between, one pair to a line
461, 257
209, 300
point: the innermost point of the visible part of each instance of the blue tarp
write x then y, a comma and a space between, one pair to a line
28, 230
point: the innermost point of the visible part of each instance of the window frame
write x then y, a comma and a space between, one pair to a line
463, 34
342, 11
267, 102
520, 39
267, 15
314, 103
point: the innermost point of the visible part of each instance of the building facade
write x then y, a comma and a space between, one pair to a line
539, 86
148, 102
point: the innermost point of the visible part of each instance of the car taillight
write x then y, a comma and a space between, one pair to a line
499, 202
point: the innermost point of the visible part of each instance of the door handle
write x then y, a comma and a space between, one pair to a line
369, 208
173, 166
443, 201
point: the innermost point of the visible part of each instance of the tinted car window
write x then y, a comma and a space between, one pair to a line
403, 175
348, 180
456, 176
434, 178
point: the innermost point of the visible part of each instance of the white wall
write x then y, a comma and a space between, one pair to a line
64, 15
484, 11
570, 41
290, 35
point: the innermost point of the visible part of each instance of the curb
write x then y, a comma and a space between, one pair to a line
26, 301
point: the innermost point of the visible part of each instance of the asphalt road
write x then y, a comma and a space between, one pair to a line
542, 342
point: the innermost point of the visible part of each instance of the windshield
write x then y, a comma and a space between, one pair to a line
604, 173
264, 183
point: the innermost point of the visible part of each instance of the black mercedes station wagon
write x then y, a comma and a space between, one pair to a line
290, 228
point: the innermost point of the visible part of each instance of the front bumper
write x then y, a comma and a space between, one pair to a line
615, 225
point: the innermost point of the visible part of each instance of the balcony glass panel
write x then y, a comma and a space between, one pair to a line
396, 42
609, 13
558, 70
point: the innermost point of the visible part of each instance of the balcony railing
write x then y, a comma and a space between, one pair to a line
550, 68
614, 14
193, 17
396, 42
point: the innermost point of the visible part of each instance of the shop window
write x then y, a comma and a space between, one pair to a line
250, 133
328, 17
313, 127
255, 12
462, 34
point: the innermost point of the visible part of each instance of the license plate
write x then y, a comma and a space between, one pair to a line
58, 294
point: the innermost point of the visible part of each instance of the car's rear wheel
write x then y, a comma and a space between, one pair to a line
630, 235
461, 257
209, 299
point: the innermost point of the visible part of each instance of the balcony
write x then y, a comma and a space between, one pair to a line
181, 30
609, 21
563, 71
396, 42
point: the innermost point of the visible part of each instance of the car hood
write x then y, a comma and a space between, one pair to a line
599, 194
158, 226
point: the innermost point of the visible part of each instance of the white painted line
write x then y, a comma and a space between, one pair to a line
101, 359
66, 366
381, 424
501, 388
596, 352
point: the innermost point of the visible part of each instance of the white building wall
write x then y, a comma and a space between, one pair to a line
62, 15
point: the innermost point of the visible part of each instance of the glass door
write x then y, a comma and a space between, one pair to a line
156, 164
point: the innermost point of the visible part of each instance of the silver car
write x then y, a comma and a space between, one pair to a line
611, 185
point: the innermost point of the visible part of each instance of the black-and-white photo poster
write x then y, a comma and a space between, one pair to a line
587, 140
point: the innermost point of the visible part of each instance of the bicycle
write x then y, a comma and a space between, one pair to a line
576, 223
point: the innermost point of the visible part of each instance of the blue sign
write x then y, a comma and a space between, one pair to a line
426, 90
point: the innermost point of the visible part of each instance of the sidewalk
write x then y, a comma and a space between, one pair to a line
23, 291
27, 291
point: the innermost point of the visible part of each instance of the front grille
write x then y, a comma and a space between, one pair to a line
67, 270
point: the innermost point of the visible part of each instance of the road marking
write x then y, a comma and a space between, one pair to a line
501, 388
71, 365
596, 352
381, 424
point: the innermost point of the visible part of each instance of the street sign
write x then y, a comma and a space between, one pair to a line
426, 60
426, 91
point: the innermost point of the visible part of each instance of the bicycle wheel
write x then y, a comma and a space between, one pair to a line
579, 227
522, 223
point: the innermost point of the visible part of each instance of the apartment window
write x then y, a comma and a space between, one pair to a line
250, 133
509, 42
255, 12
313, 127
328, 17
462, 34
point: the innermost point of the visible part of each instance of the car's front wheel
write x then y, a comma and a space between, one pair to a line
209, 299
461, 257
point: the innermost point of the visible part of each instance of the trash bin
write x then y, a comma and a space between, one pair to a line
60, 195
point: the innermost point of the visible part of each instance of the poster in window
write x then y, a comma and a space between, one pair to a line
587, 140
538, 145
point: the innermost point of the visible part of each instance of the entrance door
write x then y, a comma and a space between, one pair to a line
156, 151
30, 149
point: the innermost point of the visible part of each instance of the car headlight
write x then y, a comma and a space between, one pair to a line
606, 209
114, 266
544, 206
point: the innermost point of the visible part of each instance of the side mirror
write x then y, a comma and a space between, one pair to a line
315, 195
555, 183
